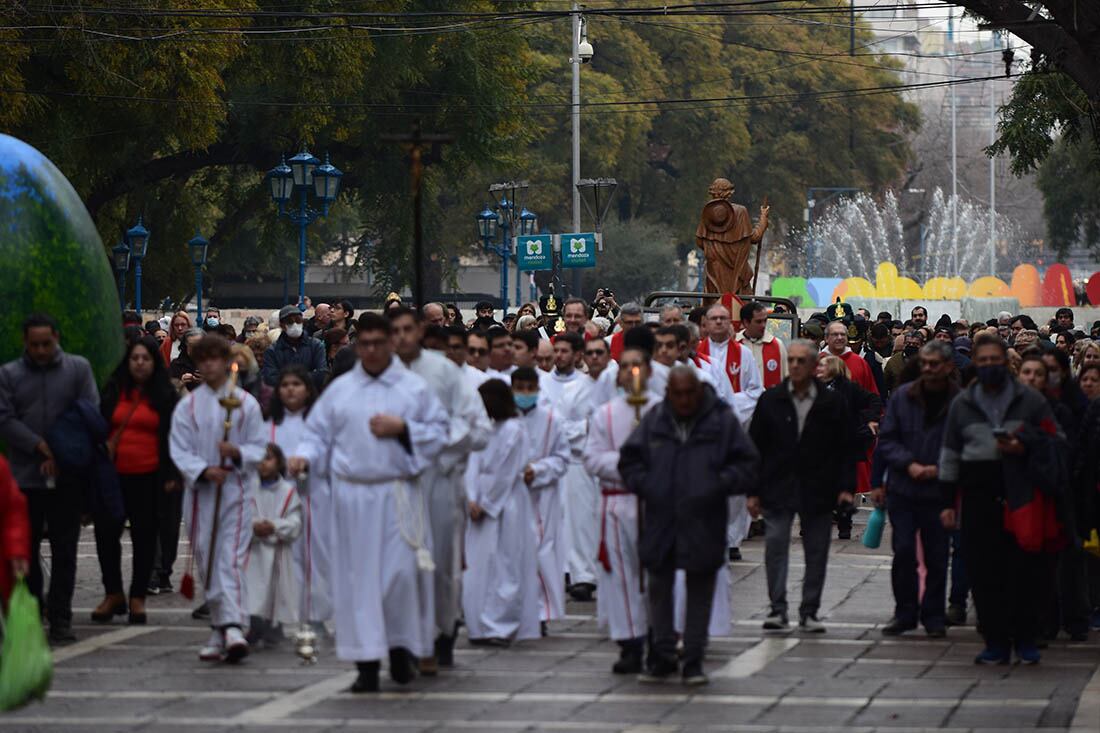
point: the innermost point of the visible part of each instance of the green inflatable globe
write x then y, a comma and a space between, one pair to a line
53, 261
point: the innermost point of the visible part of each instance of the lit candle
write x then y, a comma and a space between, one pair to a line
233, 369
637, 374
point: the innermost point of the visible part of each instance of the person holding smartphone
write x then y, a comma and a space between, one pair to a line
999, 469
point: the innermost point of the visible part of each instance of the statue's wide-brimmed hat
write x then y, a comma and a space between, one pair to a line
718, 215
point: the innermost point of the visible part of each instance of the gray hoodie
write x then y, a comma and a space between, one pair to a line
32, 397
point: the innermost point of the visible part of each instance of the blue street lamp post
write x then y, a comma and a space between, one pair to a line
304, 173
138, 239
198, 246
120, 259
487, 230
504, 220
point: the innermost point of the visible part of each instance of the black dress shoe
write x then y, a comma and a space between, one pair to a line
582, 592
367, 681
735, 554
627, 664
956, 614
894, 627
659, 671
61, 634
936, 632
445, 650
401, 668
202, 613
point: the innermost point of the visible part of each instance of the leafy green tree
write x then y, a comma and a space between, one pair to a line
639, 256
1070, 181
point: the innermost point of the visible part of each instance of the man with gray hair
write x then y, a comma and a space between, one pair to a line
909, 446
672, 315
630, 316
805, 435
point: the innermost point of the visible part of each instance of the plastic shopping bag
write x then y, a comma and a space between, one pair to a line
26, 665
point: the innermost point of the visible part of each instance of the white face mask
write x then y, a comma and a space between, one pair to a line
294, 330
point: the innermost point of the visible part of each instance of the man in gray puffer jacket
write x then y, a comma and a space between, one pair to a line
35, 390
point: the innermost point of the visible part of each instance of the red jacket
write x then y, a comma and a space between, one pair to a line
15, 528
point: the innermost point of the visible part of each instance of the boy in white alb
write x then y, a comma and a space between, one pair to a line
546, 464
211, 467
274, 590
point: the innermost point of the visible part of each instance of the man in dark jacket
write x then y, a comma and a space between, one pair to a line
909, 444
684, 460
294, 347
35, 390
1003, 458
806, 437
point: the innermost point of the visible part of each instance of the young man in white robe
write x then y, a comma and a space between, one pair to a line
274, 585
294, 394
621, 604
442, 482
568, 348
373, 432
500, 586
211, 467
580, 495
546, 464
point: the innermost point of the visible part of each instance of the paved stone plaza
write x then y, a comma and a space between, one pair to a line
122, 678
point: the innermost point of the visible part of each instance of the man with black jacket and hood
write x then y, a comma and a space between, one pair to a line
806, 435
687, 456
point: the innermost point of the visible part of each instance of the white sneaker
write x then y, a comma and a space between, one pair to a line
236, 646
776, 622
214, 649
811, 625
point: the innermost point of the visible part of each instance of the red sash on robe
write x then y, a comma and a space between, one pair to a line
616, 345
772, 369
733, 360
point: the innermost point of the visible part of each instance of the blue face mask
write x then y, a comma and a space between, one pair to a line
212, 322
526, 401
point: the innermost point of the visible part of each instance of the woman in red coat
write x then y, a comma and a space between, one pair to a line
15, 531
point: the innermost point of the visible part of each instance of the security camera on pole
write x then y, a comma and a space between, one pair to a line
582, 53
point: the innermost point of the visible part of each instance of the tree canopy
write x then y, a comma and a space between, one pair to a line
176, 108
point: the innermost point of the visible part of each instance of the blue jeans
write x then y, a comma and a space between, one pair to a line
907, 516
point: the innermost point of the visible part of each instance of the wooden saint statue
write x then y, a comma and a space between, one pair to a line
726, 236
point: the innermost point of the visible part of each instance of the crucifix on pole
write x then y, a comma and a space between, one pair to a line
414, 143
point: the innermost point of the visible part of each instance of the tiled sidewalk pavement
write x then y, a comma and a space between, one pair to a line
121, 678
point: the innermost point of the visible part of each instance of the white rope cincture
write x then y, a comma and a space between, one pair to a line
411, 525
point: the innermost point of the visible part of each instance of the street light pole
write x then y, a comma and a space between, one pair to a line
198, 246
120, 258
304, 173
138, 239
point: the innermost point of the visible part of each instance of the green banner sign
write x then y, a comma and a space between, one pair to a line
535, 252
578, 250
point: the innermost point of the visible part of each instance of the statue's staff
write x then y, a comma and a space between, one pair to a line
759, 246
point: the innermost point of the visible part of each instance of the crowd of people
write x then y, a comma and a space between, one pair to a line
394, 476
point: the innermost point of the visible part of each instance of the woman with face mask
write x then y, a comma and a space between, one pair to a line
1002, 465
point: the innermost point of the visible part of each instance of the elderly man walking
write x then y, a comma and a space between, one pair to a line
806, 437
684, 460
